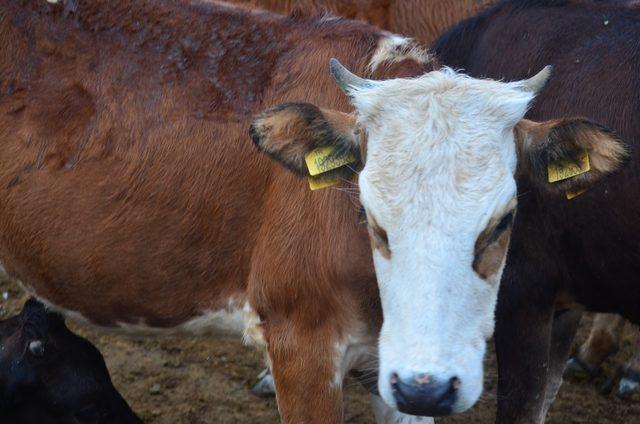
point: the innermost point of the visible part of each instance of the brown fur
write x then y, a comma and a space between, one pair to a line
490, 249
289, 131
603, 340
424, 20
131, 190
379, 238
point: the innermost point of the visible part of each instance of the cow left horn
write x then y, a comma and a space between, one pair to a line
345, 79
539, 80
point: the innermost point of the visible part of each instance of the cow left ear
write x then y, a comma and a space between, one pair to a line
290, 131
568, 154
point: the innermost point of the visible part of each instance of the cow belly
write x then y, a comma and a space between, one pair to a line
229, 321
236, 318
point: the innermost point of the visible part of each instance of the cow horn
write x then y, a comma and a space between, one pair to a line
345, 79
539, 80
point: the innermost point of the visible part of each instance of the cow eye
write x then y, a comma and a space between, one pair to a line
36, 347
504, 223
362, 214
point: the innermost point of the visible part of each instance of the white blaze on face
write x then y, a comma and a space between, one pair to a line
438, 178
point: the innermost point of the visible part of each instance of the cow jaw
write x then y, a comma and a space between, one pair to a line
439, 191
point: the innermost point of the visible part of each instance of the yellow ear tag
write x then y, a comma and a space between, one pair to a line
575, 193
320, 182
567, 169
324, 159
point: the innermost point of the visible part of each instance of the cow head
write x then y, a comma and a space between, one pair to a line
440, 155
50, 375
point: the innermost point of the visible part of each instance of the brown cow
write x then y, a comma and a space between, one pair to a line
424, 20
604, 340
133, 198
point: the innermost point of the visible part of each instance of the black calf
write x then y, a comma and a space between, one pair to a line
50, 375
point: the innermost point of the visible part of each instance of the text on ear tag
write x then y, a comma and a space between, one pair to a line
324, 159
566, 169
320, 182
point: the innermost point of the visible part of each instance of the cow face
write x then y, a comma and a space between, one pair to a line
438, 187
50, 375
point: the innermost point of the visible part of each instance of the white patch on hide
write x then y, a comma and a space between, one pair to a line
395, 48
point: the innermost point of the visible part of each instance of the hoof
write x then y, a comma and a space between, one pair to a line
265, 387
578, 369
629, 383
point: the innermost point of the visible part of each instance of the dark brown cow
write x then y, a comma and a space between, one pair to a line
133, 197
424, 20
564, 253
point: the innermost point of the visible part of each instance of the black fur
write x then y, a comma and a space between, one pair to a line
66, 381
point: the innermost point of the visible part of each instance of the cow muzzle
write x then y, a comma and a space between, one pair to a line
425, 396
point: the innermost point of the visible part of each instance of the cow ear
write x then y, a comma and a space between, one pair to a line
290, 131
568, 154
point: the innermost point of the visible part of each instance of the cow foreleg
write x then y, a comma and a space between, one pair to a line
565, 326
603, 340
522, 341
630, 381
304, 369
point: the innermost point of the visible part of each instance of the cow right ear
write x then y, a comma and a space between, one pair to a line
290, 131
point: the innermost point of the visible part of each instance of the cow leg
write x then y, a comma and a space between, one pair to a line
305, 370
565, 326
522, 340
386, 415
603, 340
630, 381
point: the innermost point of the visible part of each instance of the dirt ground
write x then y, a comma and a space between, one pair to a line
177, 380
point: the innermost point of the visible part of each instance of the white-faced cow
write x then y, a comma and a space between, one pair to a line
133, 197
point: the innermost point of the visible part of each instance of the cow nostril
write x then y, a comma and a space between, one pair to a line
394, 378
455, 383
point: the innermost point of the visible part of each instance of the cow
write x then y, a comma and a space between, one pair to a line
565, 255
134, 198
424, 20
604, 340
50, 375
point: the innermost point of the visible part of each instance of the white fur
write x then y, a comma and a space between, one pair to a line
221, 322
231, 320
395, 48
440, 164
386, 415
357, 351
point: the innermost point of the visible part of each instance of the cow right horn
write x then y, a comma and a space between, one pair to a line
346, 80
539, 80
